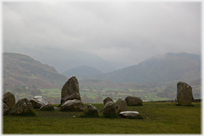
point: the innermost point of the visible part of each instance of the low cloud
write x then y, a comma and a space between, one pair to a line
126, 32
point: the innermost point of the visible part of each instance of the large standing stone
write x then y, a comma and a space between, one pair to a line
5, 109
38, 102
9, 99
184, 93
121, 105
110, 109
107, 99
90, 111
70, 90
23, 107
133, 101
72, 105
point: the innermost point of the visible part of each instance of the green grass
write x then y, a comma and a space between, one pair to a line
52, 92
89, 94
159, 118
156, 98
133, 90
116, 89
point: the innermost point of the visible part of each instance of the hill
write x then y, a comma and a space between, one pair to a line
64, 59
170, 67
20, 69
82, 72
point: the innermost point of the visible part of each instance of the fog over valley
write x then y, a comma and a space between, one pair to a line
122, 33
114, 48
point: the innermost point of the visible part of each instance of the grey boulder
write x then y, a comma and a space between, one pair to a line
107, 99
90, 111
133, 101
5, 109
23, 107
38, 102
70, 90
72, 105
184, 93
110, 109
121, 105
130, 114
47, 107
9, 99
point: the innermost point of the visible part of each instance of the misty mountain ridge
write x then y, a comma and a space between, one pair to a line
19, 69
82, 72
170, 67
64, 59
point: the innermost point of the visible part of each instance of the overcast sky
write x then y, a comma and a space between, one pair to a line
126, 32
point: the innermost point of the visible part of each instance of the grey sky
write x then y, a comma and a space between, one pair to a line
126, 32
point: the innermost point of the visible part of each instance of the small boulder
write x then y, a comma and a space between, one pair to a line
90, 111
121, 105
107, 99
70, 90
38, 102
110, 109
133, 101
184, 93
47, 107
130, 114
23, 107
9, 99
5, 109
56, 108
72, 105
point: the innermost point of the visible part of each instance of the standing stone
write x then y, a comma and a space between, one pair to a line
110, 109
9, 99
5, 109
70, 90
121, 105
133, 101
184, 93
23, 107
72, 105
90, 111
107, 99
38, 102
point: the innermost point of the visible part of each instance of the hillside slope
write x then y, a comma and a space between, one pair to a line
167, 68
82, 72
64, 59
20, 69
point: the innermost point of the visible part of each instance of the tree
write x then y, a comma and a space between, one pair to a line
85, 99
169, 92
35, 92
98, 99
34, 87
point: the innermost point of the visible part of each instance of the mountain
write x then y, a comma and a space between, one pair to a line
170, 67
19, 69
64, 59
82, 72
195, 82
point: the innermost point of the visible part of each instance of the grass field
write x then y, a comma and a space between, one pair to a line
53, 92
159, 118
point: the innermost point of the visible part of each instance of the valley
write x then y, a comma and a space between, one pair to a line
26, 78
